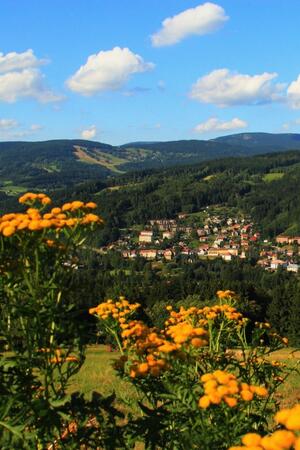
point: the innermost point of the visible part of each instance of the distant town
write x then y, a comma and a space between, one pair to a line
225, 236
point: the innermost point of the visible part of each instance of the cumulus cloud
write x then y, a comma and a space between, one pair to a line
107, 71
293, 94
202, 19
89, 133
19, 61
215, 124
21, 78
28, 83
224, 88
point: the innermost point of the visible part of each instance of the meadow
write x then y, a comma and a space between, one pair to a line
98, 374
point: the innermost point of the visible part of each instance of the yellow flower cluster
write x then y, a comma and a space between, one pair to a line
201, 316
34, 220
185, 332
118, 310
30, 197
223, 386
148, 344
227, 311
185, 315
60, 358
144, 339
289, 417
280, 439
226, 294
152, 366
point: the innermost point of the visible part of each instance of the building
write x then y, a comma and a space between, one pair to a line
146, 236
288, 239
275, 263
293, 268
167, 235
168, 254
149, 253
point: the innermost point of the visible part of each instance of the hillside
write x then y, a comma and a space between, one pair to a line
62, 163
263, 142
266, 186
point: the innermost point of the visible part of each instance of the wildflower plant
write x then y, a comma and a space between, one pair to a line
203, 380
41, 329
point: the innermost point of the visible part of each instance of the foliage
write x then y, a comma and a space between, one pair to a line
42, 332
204, 379
265, 296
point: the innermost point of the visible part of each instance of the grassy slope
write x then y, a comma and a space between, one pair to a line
97, 374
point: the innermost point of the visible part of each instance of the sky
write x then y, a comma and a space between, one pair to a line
118, 71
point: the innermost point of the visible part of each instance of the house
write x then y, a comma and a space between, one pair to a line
282, 239
222, 252
227, 256
167, 235
275, 263
263, 263
294, 240
185, 251
149, 253
292, 268
168, 254
129, 254
163, 224
202, 250
203, 238
146, 236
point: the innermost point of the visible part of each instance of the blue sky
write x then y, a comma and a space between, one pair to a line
117, 71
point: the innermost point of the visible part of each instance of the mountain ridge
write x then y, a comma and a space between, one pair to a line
59, 163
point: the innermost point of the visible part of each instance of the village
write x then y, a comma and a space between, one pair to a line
219, 236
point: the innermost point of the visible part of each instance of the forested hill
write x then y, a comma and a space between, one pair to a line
263, 142
265, 186
62, 163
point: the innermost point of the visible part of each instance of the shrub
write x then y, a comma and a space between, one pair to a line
203, 381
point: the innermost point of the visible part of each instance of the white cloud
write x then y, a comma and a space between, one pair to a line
20, 78
202, 19
89, 133
19, 61
215, 124
293, 94
6, 124
28, 83
224, 88
107, 71
11, 129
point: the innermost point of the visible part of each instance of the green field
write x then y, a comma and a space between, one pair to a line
10, 189
97, 374
273, 176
